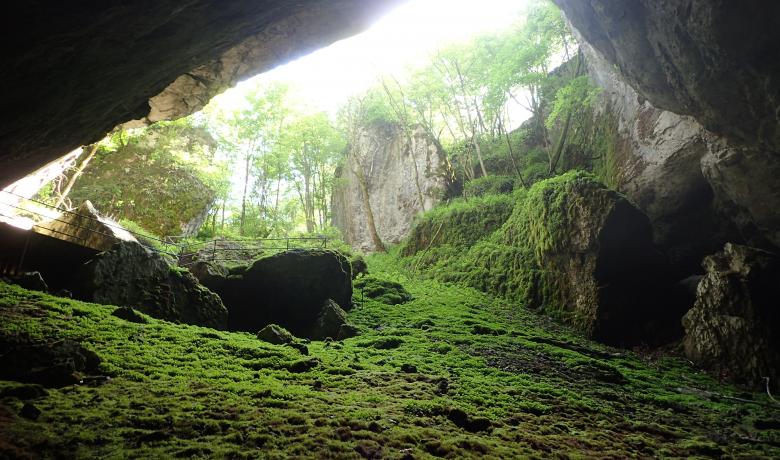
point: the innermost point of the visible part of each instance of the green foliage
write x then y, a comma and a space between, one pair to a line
490, 185
459, 223
577, 94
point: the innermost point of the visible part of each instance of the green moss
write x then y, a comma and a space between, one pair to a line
180, 390
384, 291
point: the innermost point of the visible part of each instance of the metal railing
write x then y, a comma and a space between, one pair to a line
170, 249
186, 252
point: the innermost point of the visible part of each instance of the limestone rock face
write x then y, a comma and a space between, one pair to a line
697, 188
715, 60
92, 66
131, 275
733, 327
404, 177
288, 289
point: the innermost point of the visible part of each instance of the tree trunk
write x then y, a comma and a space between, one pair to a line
243, 196
75, 176
472, 123
369, 213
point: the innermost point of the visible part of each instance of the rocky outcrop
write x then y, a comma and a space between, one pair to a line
329, 321
133, 276
108, 63
84, 226
119, 182
695, 100
404, 175
593, 262
288, 289
734, 326
714, 60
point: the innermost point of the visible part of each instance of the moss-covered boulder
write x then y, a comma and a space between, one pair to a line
275, 334
385, 291
593, 260
133, 276
733, 327
329, 321
571, 247
288, 288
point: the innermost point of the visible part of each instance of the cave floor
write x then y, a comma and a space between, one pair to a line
453, 373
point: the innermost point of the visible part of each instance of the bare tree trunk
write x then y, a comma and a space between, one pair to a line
474, 137
369, 213
555, 158
75, 176
243, 196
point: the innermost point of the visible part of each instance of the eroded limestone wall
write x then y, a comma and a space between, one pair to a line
405, 175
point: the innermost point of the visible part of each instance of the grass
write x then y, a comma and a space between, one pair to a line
452, 373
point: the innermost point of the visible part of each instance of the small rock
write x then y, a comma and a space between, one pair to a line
442, 386
346, 331
303, 349
329, 321
409, 368
275, 334
303, 365
32, 281
64, 293
472, 424
359, 266
387, 292
129, 314
23, 392
30, 412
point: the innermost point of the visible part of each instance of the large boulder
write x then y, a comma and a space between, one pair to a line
133, 276
591, 259
288, 288
733, 327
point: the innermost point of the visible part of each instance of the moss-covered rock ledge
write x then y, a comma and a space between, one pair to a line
571, 246
452, 373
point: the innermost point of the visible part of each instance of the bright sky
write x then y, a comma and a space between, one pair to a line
404, 37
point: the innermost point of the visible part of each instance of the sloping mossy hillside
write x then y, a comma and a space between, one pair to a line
514, 255
453, 373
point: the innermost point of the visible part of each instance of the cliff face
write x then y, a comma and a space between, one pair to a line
694, 148
73, 72
404, 177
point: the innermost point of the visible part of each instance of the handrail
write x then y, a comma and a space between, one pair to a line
108, 224
137, 235
183, 250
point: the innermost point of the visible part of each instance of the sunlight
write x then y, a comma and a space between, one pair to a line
403, 38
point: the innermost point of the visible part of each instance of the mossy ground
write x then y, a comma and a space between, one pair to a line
453, 373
